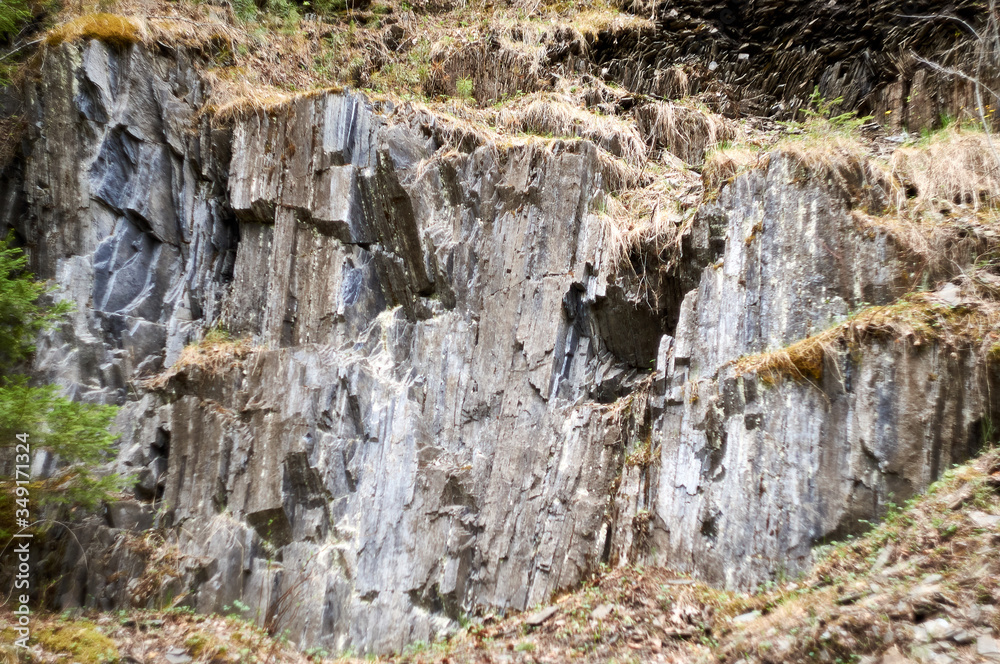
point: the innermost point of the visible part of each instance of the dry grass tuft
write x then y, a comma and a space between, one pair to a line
114, 30
919, 318
213, 354
954, 166
593, 22
685, 132
654, 217
235, 98
558, 115
724, 165
937, 246
494, 69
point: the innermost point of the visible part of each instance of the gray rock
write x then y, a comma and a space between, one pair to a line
536, 619
895, 656
986, 646
882, 559
730, 443
939, 629
744, 618
447, 361
602, 612
984, 520
919, 634
129, 515
177, 656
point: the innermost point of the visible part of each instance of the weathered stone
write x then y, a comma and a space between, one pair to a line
129, 515
939, 629
984, 520
986, 646
445, 386
739, 495
536, 619
602, 612
177, 656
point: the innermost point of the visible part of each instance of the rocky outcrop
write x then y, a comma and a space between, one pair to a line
455, 401
125, 208
422, 430
752, 472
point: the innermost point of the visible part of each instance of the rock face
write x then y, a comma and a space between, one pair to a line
753, 474
125, 209
423, 429
451, 403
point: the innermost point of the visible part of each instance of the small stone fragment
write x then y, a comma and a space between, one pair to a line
177, 656
849, 598
963, 496
538, 618
894, 656
919, 634
883, 559
939, 629
949, 294
986, 646
746, 617
602, 612
984, 520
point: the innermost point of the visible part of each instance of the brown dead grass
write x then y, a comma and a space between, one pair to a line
653, 218
955, 166
213, 354
918, 318
685, 132
114, 30
724, 165
139, 635
558, 115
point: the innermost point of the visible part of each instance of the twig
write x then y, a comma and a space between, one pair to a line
20, 48
179, 18
946, 17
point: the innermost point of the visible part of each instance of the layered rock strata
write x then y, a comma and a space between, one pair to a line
452, 404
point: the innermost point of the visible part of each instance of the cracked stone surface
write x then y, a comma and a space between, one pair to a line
450, 390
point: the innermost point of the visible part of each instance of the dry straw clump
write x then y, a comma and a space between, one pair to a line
954, 166
917, 317
655, 216
558, 115
725, 164
685, 132
112, 29
213, 354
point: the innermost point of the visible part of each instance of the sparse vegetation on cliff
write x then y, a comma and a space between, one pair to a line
966, 321
216, 352
390, 287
